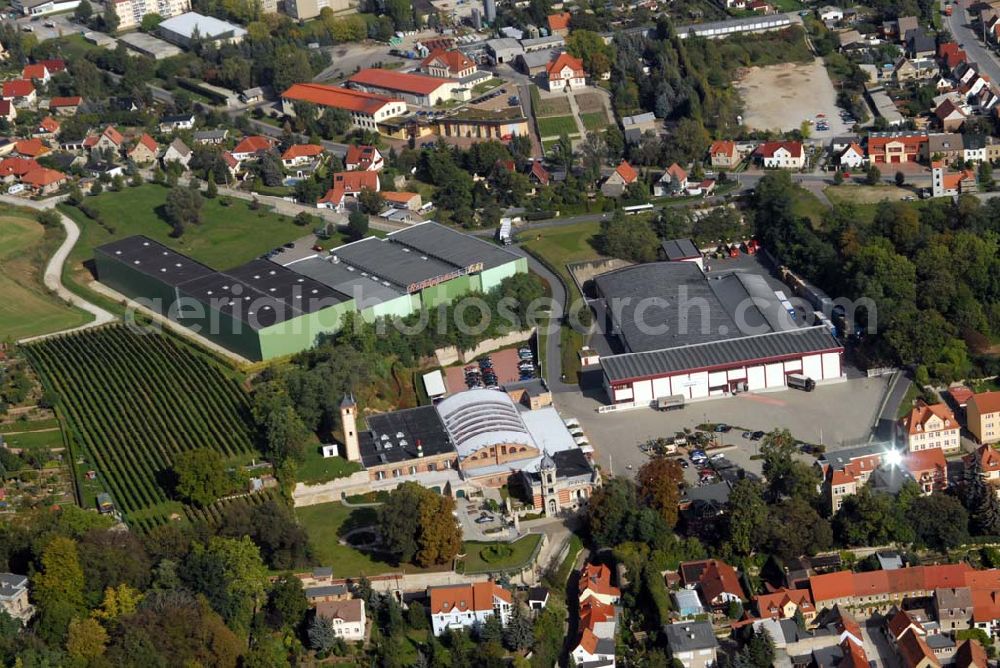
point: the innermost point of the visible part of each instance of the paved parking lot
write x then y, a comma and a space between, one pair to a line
836, 415
505, 365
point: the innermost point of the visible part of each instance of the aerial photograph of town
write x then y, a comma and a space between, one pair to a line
499, 333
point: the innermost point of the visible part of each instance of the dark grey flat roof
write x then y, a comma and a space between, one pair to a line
239, 300
154, 259
304, 293
680, 249
663, 322
347, 280
395, 263
392, 437
631, 366
452, 246
688, 636
754, 306
325, 590
571, 463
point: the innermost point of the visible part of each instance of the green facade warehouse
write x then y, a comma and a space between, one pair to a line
262, 309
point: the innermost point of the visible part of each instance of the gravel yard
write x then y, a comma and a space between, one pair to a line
780, 97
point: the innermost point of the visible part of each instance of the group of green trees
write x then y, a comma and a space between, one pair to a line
180, 594
638, 238
932, 270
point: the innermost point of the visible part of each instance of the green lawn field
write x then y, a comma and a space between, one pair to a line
227, 236
326, 522
596, 120
555, 126
27, 308
316, 469
476, 555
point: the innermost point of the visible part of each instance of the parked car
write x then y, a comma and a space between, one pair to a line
722, 428
756, 436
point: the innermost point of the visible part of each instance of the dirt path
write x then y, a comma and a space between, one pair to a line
54, 269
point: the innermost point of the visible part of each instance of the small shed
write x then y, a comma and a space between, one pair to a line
434, 384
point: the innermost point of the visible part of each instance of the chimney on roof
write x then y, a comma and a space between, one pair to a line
420, 448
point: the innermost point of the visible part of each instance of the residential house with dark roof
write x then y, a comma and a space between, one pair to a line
347, 618
14, 596
953, 608
692, 643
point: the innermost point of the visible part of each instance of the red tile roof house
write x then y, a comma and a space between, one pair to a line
12, 169
970, 654
364, 158
54, 65
110, 138
448, 64
144, 151
989, 464
929, 469
65, 106
781, 155
914, 652
20, 91
402, 200
930, 426
595, 582
8, 111
724, 154
559, 23
251, 147
716, 582
597, 627
31, 148
565, 73
348, 184
301, 154
614, 185
538, 175
468, 605
36, 72
783, 603
48, 126
44, 181
673, 182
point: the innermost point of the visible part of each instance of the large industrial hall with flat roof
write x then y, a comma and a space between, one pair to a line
680, 333
263, 309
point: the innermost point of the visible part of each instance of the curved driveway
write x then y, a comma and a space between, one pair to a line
54, 269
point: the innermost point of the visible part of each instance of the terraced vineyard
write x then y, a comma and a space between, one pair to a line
133, 402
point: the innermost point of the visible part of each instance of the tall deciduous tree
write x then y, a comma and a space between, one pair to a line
746, 517
418, 525
61, 577
231, 575
659, 485
201, 476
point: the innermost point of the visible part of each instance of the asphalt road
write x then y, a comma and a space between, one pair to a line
971, 40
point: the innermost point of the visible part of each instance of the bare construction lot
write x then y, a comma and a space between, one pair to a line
780, 97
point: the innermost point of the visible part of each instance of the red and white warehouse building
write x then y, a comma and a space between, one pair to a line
687, 335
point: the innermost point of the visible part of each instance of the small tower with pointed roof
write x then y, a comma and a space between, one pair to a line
349, 422
550, 491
